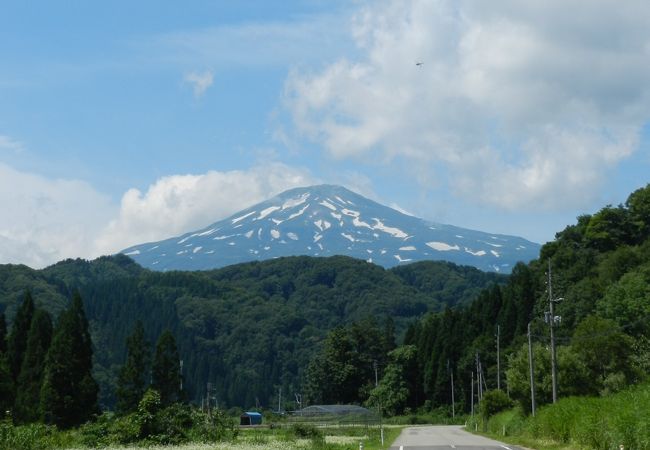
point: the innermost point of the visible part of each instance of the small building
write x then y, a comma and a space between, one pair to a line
250, 418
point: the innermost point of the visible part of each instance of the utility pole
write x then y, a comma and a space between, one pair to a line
280, 400
180, 375
381, 424
453, 406
479, 377
208, 388
498, 359
551, 302
531, 365
472, 392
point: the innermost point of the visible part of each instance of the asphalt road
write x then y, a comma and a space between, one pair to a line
445, 437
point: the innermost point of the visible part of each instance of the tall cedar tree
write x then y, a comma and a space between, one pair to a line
6, 383
166, 370
132, 380
69, 392
3, 334
18, 337
28, 387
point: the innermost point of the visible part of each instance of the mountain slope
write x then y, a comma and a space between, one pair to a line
331, 220
246, 328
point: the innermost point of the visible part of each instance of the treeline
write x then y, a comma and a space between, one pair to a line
601, 285
45, 371
249, 329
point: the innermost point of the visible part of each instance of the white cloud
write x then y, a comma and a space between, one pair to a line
45, 220
200, 81
525, 103
180, 203
304, 38
7, 143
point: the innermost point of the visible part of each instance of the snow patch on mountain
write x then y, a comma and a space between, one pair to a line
238, 219
293, 202
327, 204
299, 213
442, 246
396, 232
267, 211
348, 237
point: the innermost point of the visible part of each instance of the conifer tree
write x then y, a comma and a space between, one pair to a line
6, 383
132, 379
3, 334
166, 371
17, 343
28, 387
69, 392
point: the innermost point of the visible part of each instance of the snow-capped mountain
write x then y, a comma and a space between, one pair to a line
331, 220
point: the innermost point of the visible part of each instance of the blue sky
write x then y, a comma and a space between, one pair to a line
125, 122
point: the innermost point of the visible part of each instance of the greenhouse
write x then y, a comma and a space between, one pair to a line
336, 415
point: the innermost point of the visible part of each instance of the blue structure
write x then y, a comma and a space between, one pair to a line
250, 418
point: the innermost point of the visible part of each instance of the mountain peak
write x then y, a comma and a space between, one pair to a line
327, 220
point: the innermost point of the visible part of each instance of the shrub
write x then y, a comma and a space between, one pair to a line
301, 430
29, 437
494, 402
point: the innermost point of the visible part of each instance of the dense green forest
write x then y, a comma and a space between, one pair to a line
600, 279
248, 329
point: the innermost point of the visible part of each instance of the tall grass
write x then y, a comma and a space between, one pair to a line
596, 423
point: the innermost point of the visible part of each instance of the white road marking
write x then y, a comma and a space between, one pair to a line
401, 447
507, 448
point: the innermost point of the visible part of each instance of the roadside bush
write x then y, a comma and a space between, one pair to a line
213, 428
171, 425
494, 402
30, 437
301, 430
507, 423
97, 433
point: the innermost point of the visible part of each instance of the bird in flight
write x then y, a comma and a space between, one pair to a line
419, 63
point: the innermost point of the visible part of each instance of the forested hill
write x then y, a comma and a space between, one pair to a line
248, 328
600, 278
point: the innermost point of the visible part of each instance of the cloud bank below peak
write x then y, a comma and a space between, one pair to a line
524, 104
46, 220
